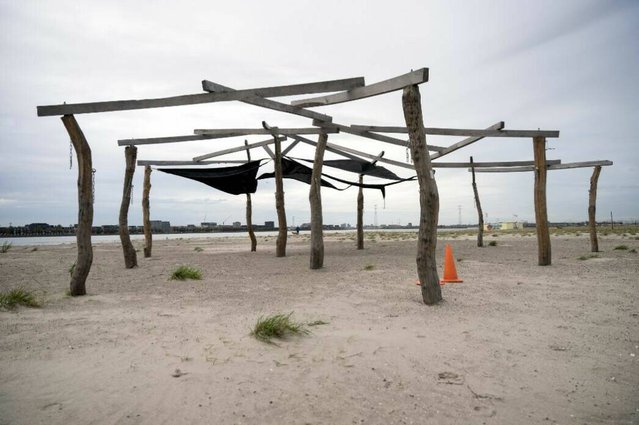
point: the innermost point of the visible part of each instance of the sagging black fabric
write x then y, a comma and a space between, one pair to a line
294, 170
234, 180
361, 167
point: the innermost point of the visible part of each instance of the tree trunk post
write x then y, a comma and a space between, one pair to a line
280, 243
592, 209
360, 214
428, 197
85, 207
130, 257
315, 199
480, 214
249, 209
541, 212
146, 213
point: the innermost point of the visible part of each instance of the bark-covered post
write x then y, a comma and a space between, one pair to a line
428, 197
85, 207
315, 199
249, 209
282, 228
480, 214
130, 257
146, 214
541, 212
592, 209
360, 214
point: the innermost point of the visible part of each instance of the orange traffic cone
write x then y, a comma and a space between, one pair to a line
450, 274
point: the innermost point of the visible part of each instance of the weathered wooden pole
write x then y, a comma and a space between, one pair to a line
592, 209
85, 207
541, 212
146, 214
428, 197
360, 214
480, 214
280, 242
249, 209
315, 199
130, 257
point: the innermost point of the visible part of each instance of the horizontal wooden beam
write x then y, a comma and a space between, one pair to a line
343, 149
170, 139
565, 166
291, 146
234, 132
142, 163
491, 164
372, 136
267, 103
238, 149
463, 132
269, 151
328, 148
467, 141
386, 86
193, 99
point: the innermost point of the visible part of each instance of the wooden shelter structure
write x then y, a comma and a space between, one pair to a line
412, 136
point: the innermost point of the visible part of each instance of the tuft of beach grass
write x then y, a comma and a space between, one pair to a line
15, 297
186, 272
277, 326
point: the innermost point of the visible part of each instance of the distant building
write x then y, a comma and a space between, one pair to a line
209, 224
511, 225
237, 224
269, 225
159, 226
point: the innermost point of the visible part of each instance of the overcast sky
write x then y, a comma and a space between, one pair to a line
571, 66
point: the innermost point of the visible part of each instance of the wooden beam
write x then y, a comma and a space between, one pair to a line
360, 214
467, 141
291, 146
269, 151
234, 132
373, 136
193, 99
267, 103
514, 164
130, 257
146, 212
551, 167
315, 200
463, 132
386, 86
249, 208
541, 209
247, 147
480, 214
328, 148
282, 228
146, 163
592, 209
428, 198
84, 257
170, 139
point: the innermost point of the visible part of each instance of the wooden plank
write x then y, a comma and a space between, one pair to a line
541, 209
342, 150
238, 149
328, 148
170, 139
267, 103
269, 151
467, 141
290, 147
386, 86
552, 166
433, 131
144, 163
194, 99
428, 198
491, 164
234, 132
373, 136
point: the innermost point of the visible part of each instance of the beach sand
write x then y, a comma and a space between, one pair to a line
514, 343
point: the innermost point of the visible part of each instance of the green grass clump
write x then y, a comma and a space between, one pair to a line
186, 272
198, 249
492, 243
634, 251
277, 326
369, 267
6, 246
16, 297
72, 269
621, 248
587, 257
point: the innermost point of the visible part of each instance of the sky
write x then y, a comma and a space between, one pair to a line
571, 66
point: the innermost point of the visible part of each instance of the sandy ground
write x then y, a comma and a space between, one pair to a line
515, 343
